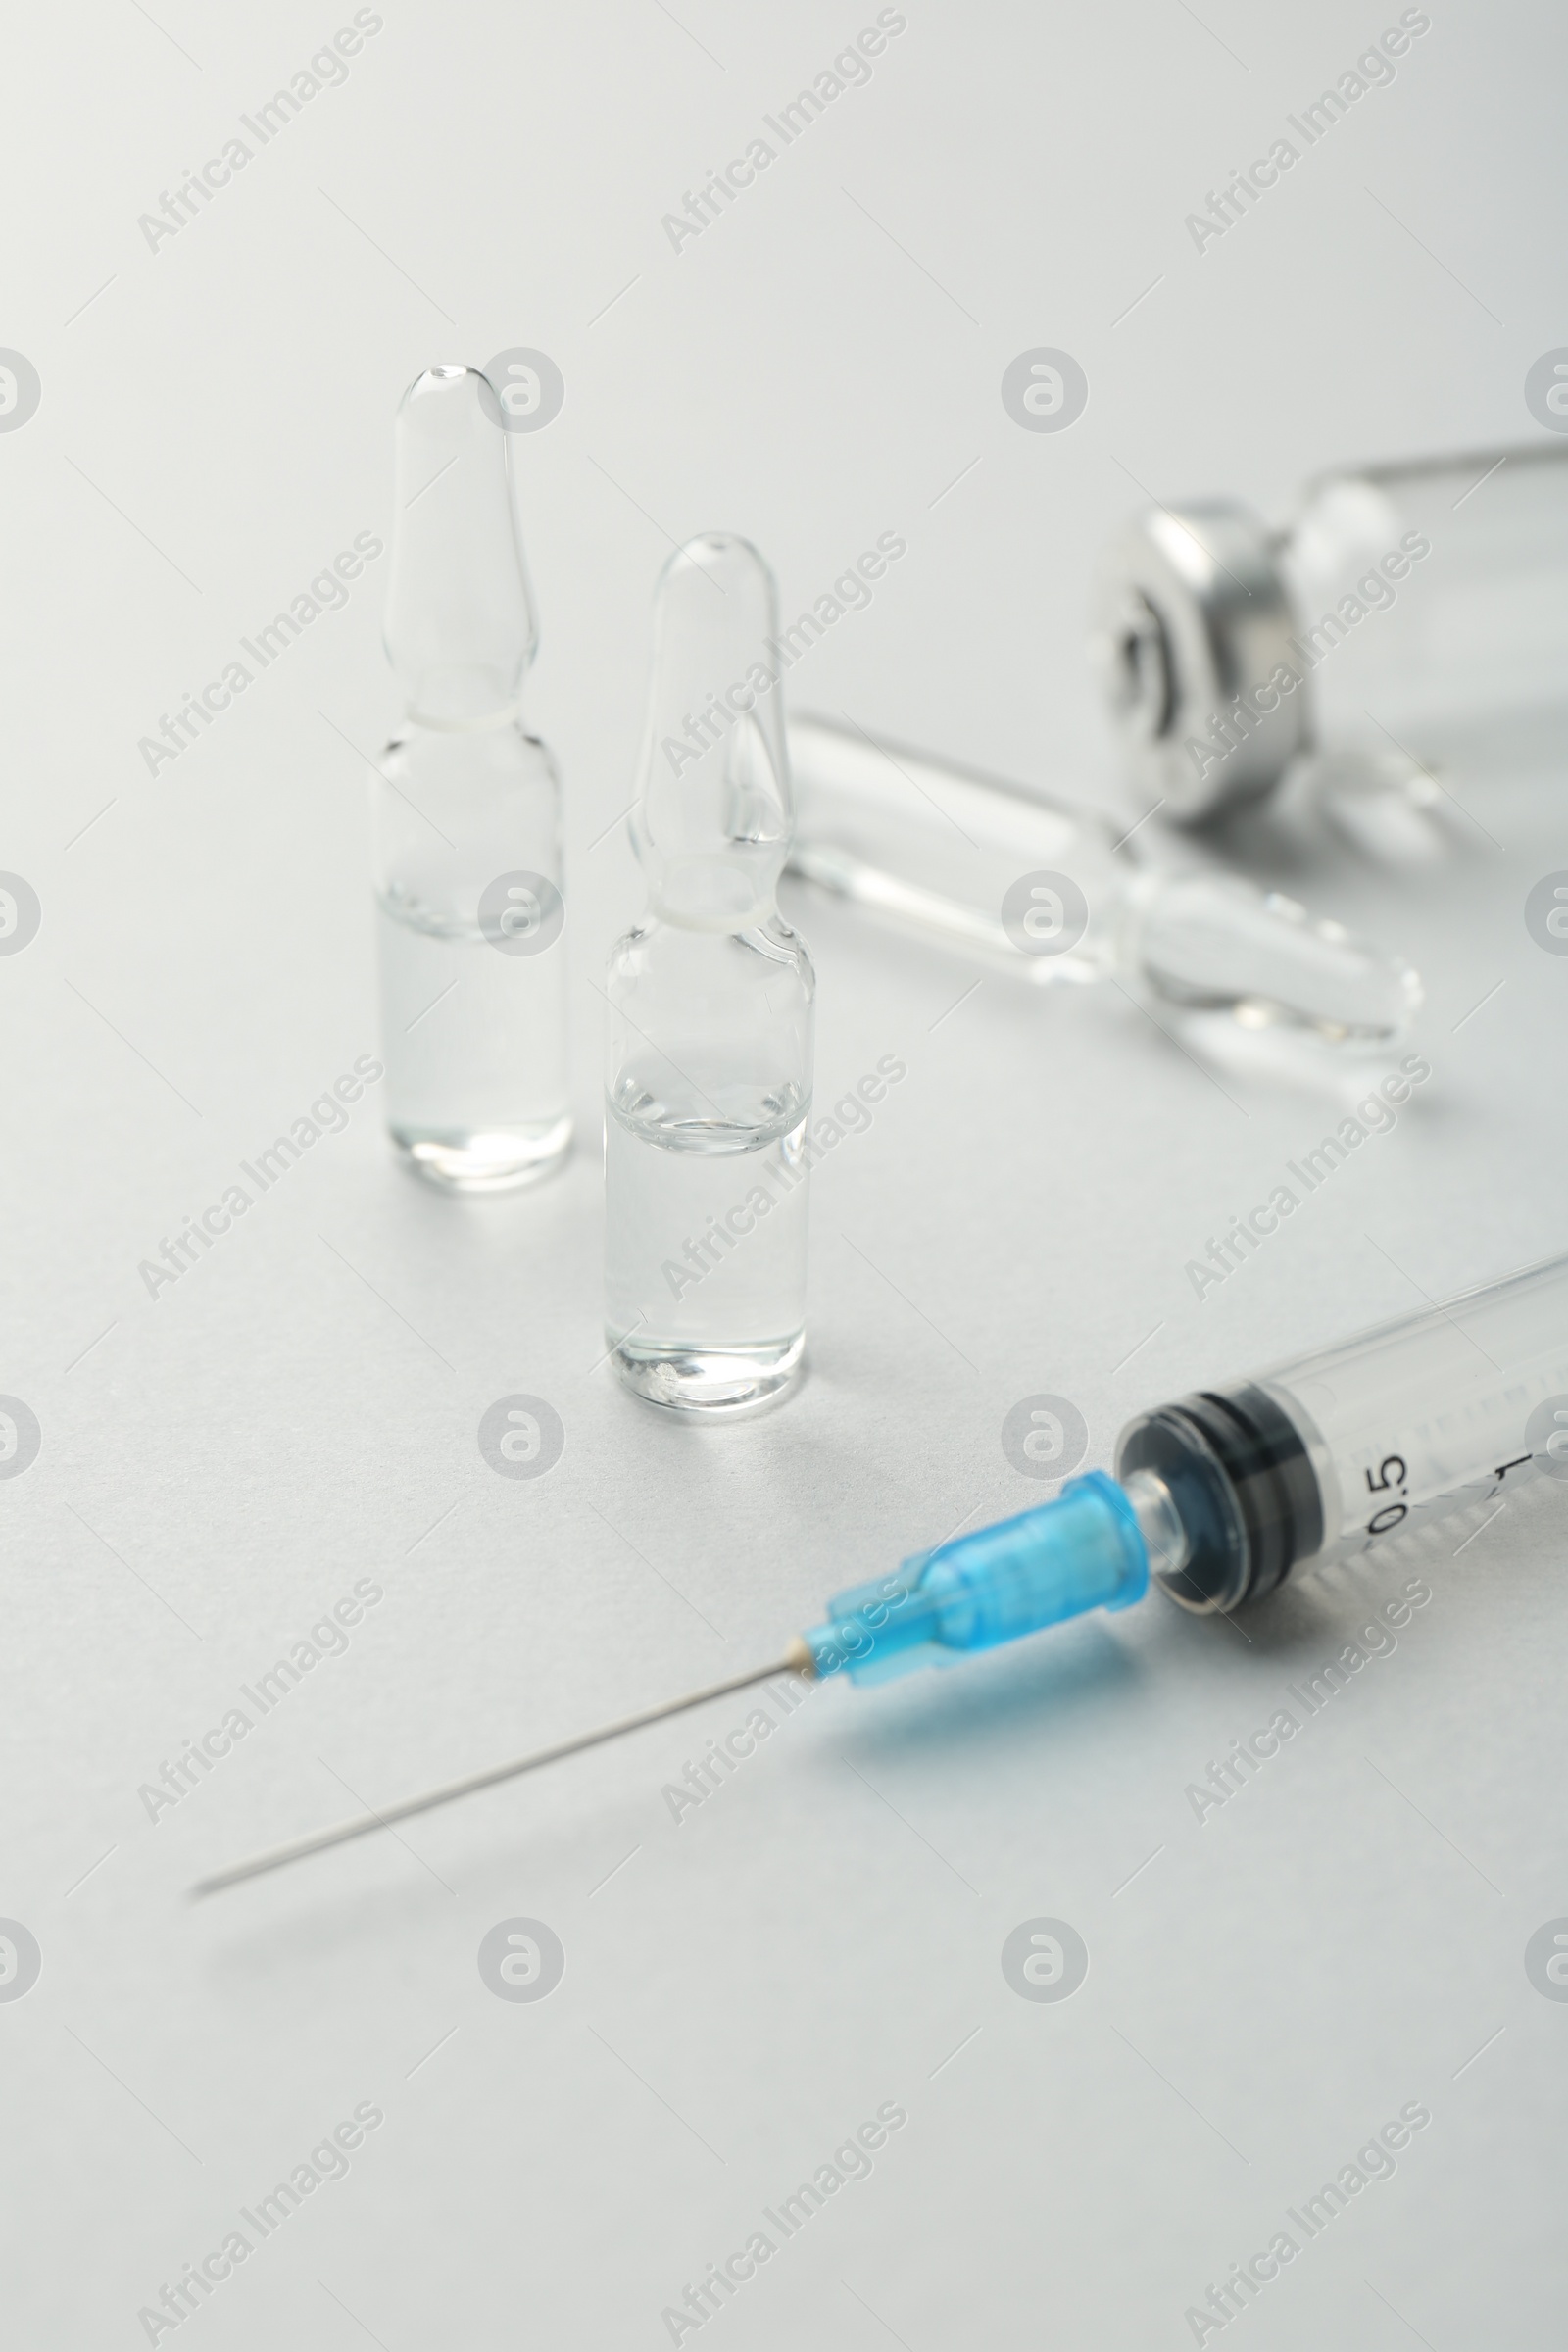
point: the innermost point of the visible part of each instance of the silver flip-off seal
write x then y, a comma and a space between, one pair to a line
1192, 620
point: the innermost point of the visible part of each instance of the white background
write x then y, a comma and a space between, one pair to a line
818, 367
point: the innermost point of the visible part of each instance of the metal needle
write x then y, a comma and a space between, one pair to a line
797, 1659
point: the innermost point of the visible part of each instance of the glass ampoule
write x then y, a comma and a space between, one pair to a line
1402, 631
708, 1077
1057, 894
467, 818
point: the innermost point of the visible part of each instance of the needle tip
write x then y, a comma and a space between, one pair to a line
797, 1659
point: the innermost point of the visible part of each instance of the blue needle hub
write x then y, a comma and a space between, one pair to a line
1082, 1551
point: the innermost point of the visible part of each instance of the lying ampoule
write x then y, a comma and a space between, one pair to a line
1052, 892
709, 1079
467, 818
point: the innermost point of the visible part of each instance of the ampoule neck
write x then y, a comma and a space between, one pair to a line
705, 899
443, 721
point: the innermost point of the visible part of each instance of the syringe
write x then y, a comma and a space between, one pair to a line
1219, 1496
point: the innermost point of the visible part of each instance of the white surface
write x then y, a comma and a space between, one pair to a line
818, 1939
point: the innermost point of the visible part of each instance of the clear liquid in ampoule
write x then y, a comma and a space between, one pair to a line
705, 1257
477, 1085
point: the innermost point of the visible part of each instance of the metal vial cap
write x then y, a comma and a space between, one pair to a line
1191, 618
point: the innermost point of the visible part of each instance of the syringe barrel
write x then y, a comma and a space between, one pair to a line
1325, 1456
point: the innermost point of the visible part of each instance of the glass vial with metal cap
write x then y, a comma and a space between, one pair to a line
467, 818
1407, 629
708, 1074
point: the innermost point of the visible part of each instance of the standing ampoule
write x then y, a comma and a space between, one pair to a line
467, 818
708, 1082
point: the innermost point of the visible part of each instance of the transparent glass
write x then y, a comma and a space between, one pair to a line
461, 627
1432, 606
1419, 1417
709, 1070
1054, 893
466, 819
